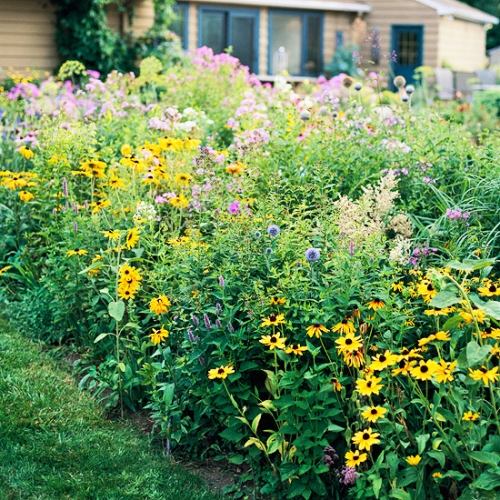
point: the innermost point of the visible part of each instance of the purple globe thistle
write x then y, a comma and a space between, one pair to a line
234, 207
347, 476
313, 254
273, 230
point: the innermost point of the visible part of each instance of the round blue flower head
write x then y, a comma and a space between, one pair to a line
313, 254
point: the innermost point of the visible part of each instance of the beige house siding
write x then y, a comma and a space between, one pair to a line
333, 22
461, 45
26, 36
386, 13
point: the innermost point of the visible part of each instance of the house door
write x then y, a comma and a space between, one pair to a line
222, 27
408, 49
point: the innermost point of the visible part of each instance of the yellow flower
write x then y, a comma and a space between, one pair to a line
158, 335
275, 341
426, 340
476, 314
489, 289
235, 168
337, 386
437, 475
316, 330
365, 439
440, 312
354, 458
354, 358
424, 370
183, 179
383, 361
112, 234
376, 304
404, 367
484, 375
26, 153
443, 371
160, 305
222, 372
369, 385
349, 343
126, 150
277, 301
373, 413
470, 416
345, 327
179, 201
442, 336
273, 320
77, 251
413, 460
296, 349
92, 169
4, 269
132, 238
25, 196
397, 287
491, 333
426, 290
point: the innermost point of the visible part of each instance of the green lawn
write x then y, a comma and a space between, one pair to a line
55, 442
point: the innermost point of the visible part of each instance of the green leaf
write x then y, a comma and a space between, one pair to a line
476, 353
168, 394
121, 367
488, 480
445, 298
400, 494
439, 456
470, 264
421, 442
485, 457
377, 484
492, 309
100, 337
255, 423
116, 310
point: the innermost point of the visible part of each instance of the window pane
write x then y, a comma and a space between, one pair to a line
242, 39
312, 64
213, 30
407, 49
286, 43
177, 25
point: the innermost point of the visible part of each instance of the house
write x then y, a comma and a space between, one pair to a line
494, 55
300, 36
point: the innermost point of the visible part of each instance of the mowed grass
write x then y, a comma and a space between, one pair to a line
55, 442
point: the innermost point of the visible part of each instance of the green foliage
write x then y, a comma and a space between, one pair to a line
344, 61
56, 442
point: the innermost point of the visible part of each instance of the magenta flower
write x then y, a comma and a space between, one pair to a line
234, 207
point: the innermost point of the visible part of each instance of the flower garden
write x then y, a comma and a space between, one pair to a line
298, 282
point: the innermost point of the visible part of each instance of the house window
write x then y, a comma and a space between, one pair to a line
221, 27
180, 24
295, 42
375, 46
339, 39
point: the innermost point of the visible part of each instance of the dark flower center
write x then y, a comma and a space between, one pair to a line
382, 358
492, 288
344, 322
348, 341
317, 325
369, 384
373, 411
220, 371
430, 288
273, 339
483, 369
272, 317
366, 436
424, 369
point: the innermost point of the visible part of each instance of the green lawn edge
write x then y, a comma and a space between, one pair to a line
55, 442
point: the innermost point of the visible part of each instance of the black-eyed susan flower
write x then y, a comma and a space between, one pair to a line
474, 315
26, 153
183, 179
489, 289
413, 460
273, 320
316, 330
235, 168
366, 438
376, 304
275, 341
159, 305
443, 371
354, 358
158, 335
296, 349
222, 372
491, 333
369, 385
126, 150
349, 343
345, 327
383, 361
437, 475
426, 290
112, 234
484, 375
4, 269
25, 196
132, 238
80, 252
440, 312
337, 386
374, 413
397, 287
424, 370
355, 458
277, 301
404, 367
179, 201
470, 416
